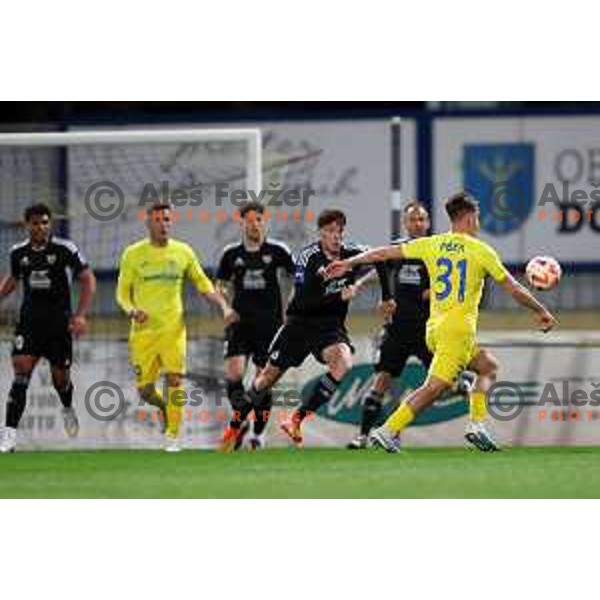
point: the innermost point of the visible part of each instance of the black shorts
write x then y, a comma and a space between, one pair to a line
251, 338
300, 337
52, 341
399, 342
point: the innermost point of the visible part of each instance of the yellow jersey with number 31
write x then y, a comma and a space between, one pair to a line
151, 279
457, 265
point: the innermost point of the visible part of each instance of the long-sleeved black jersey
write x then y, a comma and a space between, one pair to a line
313, 296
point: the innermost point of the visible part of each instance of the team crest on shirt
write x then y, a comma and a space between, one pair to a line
25, 261
51, 258
410, 274
239, 262
267, 259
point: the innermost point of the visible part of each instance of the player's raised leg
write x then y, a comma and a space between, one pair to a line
452, 344
458, 263
385, 436
338, 358
252, 400
477, 434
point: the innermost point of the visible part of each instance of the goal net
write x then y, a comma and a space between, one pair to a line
97, 184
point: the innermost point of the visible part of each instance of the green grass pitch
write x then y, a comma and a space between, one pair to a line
312, 473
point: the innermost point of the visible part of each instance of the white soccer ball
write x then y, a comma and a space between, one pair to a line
543, 273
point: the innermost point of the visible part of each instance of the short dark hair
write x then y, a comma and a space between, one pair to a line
331, 216
158, 207
37, 210
252, 207
460, 203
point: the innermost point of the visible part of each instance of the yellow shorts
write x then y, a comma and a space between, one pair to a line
453, 347
154, 353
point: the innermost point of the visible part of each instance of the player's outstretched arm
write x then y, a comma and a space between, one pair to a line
205, 287
545, 319
353, 290
224, 288
8, 285
87, 289
377, 255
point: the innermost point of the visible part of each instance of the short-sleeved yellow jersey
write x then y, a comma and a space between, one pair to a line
151, 279
458, 265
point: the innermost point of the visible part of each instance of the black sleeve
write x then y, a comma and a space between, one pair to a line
224, 270
354, 250
286, 261
384, 274
15, 271
75, 259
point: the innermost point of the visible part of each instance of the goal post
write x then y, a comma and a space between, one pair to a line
67, 170
59, 169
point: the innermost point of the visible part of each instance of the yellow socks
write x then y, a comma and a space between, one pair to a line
175, 411
478, 409
154, 399
401, 419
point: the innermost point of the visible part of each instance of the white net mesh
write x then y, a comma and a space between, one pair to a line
116, 181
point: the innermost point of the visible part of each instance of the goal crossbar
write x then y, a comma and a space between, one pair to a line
252, 137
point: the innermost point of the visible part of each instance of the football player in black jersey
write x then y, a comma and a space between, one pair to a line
405, 305
249, 272
43, 264
315, 324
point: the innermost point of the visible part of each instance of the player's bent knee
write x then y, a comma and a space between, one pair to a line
340, 368
147, 392
61, 380
339, 362
174, 380
436, 386
268, 377
488, 365
235, 368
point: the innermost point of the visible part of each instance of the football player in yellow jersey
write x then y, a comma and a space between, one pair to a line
151, 277
458, 264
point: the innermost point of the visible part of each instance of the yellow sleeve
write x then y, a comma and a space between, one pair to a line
416, 249
125, 282
492, 264
199, 278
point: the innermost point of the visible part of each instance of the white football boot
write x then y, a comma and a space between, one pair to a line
8, 440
